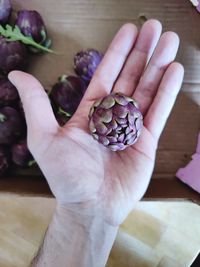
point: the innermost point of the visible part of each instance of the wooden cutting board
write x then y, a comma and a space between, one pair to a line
156, 234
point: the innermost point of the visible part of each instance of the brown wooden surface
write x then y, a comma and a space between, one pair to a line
78, 24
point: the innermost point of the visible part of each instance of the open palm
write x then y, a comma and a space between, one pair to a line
82, 173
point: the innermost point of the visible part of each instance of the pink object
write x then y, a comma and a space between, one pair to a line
198, 144
190, 175
198, 7
196, 3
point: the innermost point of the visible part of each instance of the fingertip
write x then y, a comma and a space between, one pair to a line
154, 24
175, 70
22, 80
129, 28
171, 37
178, 67
13, 75
149, 36
128, 32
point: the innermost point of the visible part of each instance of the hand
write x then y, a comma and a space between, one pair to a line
83, 174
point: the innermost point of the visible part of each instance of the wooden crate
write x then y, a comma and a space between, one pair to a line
78, 24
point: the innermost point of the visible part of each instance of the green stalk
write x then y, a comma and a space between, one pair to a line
2, 117
14, 34
61, 111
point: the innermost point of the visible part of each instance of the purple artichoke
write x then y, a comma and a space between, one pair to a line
13, 55
115, 121
31, 24
21, 109
8, 93
20, 154
11, 125
5, 11
67, 93
86, 62
4, 160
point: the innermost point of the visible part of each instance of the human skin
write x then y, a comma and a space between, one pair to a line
95, 188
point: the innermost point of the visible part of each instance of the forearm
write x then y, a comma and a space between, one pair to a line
75, 241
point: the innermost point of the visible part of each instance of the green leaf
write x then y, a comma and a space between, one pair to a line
31, 163
2, 117
61, 111
14, 34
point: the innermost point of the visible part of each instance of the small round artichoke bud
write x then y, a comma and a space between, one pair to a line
86, 63
115, 121
14, 56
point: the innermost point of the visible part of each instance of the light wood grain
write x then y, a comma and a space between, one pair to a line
162, 234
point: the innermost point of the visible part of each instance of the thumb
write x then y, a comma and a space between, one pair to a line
38, 112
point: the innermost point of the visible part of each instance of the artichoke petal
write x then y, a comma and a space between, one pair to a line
106, 115
131, 141
131, 119
107, 102
92, 126
112, 139
104, 140
121, 121
96, 137
101, 128
120, 100
97, 103
91, 112
129, 136
121, 137
128, 130
113, 124
120, 111
118, 146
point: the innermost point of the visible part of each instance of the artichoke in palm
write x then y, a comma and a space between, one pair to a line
115, 121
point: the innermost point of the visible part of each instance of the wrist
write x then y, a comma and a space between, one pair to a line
76, 237
91, 236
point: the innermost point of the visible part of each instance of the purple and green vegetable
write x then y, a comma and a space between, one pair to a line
86, 63
32, 25
115, 121
13, 55
8, 93
11, 125
67, 93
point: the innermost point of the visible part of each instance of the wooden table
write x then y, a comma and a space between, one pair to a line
78, 24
